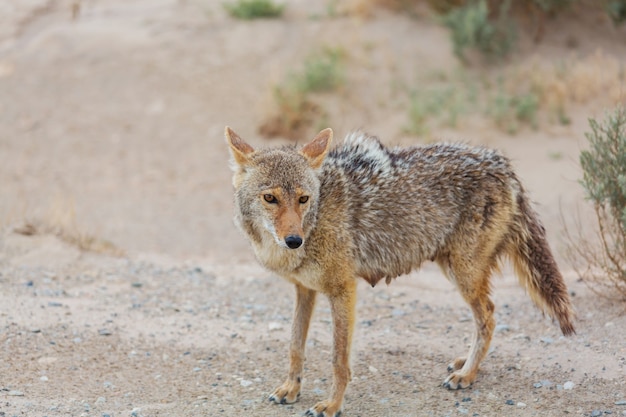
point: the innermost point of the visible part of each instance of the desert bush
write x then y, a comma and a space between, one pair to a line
617, 10
510, 110
297, 111
551, 6
322, 71
254, 9
472, 28
604, 181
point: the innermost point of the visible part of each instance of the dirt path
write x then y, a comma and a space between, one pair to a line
111, 136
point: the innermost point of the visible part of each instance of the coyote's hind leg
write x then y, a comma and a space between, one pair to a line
472, 280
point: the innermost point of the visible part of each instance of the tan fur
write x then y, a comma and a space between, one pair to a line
320, 218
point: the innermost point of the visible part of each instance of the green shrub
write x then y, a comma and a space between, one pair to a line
617, 10
604, 165
443, 104
509, 110
254, 9
297, 111
550, 6
604, 181
322, 71
473, 28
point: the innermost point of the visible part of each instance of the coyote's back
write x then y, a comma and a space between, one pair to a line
320, 217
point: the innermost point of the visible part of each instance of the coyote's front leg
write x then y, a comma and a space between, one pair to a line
289, 391
342, 306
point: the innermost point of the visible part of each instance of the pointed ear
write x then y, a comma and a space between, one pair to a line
238, 148
316, 150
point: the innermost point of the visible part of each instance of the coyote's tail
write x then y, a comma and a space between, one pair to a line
535, 266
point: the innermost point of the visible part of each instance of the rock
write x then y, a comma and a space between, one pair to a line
521, 404
568, 385
620, 402
503, 328
274, 325
372, 369
546, 340
43, 378
596, 413
245, 383
104, 332
15, 393
509, 402
546, 383
537, 385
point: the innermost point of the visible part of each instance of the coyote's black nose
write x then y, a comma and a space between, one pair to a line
293, 241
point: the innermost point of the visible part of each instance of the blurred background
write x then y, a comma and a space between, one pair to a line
112, 111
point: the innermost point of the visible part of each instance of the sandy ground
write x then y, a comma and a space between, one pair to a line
111, 127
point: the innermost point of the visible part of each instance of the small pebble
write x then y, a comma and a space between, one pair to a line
509, 402
245, 383
546, 383
521, 404
537, 385
15, 394
596, 413
43, 378
547, 340
568, 385
104, 332
274, 325
620, 402
503, 328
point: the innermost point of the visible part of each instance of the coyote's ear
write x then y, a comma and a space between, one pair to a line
316, 150
238, 148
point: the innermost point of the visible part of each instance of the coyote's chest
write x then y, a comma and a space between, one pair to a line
290, 264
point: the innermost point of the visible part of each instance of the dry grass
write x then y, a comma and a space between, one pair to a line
576, 81
594, 258
60, 221
531, 94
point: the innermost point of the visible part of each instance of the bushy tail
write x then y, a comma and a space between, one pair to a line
536, 268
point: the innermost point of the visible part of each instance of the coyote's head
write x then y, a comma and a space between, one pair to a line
277, 189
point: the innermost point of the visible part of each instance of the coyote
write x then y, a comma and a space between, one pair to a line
320, 218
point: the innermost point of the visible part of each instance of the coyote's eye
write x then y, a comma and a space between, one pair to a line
303, 199
270, 198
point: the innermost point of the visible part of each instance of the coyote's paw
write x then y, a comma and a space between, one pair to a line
458, 380
324, 409
456, 364
287, 393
